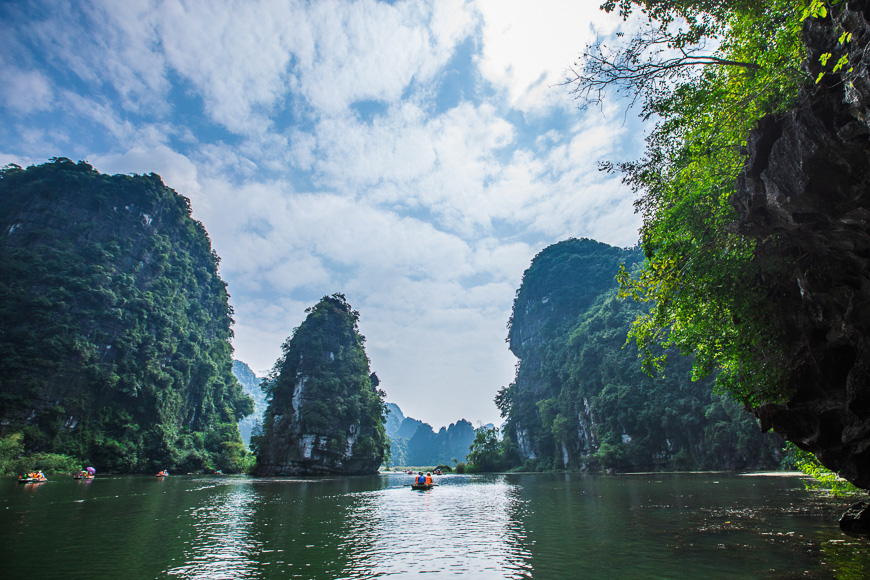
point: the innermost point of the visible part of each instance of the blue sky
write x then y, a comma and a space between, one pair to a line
412, 155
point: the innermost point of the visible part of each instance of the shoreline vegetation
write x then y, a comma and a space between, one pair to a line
817, 479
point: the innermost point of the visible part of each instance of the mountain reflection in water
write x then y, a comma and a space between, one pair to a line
707, 525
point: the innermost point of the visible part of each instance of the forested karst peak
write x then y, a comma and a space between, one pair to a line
581, 399
115, 326
563, 280
326, 413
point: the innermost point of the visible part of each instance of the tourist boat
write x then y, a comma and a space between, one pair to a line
83, 476
163, 473
22, 479
422, 486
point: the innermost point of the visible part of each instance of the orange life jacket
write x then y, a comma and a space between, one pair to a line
428, 479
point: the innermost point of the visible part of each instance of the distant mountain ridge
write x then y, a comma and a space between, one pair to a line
415, 443
250, 386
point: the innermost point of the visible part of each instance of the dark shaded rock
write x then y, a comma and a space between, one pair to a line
805, 196
856, 519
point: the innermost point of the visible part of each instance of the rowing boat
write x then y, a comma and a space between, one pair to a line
422, 486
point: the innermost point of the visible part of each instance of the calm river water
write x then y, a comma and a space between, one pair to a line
708, 525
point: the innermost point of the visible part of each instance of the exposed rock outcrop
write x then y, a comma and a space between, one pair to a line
250, 383
805, 195
326, 414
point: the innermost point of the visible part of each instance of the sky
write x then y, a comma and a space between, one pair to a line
411, 155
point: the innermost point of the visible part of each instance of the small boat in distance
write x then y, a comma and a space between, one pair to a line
163, 473
87, 473
33, 477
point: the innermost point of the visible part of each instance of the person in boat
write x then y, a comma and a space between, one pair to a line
421, 479
428, 478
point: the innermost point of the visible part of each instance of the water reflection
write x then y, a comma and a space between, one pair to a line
219, 543
507, 526
466, 526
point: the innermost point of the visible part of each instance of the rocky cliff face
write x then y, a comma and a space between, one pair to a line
805, 195
326, 414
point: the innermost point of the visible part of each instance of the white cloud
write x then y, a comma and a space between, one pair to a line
314, 142
527, 46
104, 43
176, 170
235, 54
242, 58
371, 50
24, 91
407, 158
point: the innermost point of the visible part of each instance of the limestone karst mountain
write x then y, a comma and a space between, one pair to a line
114, 323
326, 413
581, 400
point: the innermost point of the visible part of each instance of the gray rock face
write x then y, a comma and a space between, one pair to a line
805, 195
251, 386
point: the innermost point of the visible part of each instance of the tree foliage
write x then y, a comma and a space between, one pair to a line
705, 72
115, 326
821, 478
486, 452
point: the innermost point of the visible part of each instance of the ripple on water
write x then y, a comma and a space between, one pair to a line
222, 546
466, 529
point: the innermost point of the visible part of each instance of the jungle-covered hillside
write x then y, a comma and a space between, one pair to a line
581, 398
115, 326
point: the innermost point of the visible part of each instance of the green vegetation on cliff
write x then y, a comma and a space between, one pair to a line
115, 326
703, 279
321, 389
581, 398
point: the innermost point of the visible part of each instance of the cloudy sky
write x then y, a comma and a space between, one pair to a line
413, 155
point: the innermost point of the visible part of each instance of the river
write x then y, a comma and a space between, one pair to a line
698, 525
